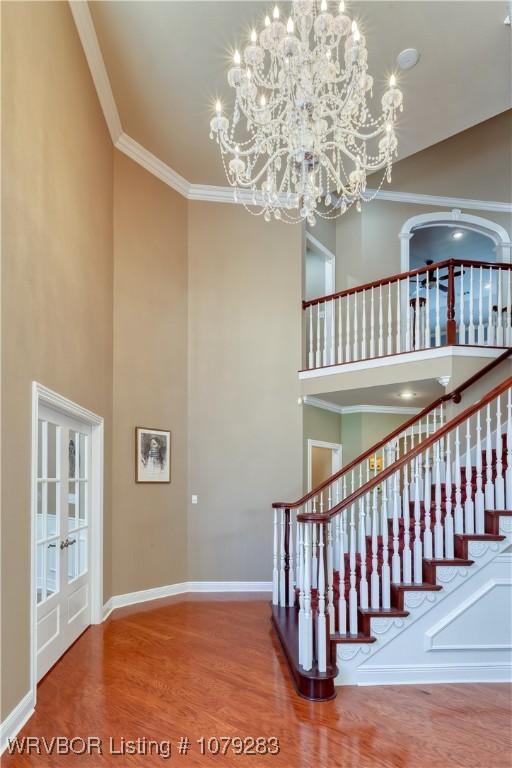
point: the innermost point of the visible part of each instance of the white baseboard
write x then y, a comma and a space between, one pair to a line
484, 672
15, 721
142, 596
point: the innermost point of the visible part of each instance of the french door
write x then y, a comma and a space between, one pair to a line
62, 534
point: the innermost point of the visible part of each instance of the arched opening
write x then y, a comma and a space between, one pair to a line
482, 293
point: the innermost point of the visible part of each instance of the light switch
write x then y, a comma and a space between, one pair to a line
194, 499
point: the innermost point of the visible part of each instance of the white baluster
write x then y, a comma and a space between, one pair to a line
481, 327
438, 528
448, 519
340, 332
406, 514
342, 603
508, 475
398, 317
372, 323
332, 358
407, 316
352, 595
311, 341
417, 549
390, 337
347, 331
490, 322
385, 573
479, 494
291, 569
395, 560
489, 485
318, 360
462, 326
426, 319
282, 572
363, 331
469, 506
330, 579
459, 515
499, 318
438, 313
275, 570
375, 580
417, 326
321, 637
381, 324
508, 327
363, 581
314, 558
300, 582
499, 483
471, 326
356, 328
427, 502
307, 655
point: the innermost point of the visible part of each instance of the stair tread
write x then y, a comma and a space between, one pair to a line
479, 536
424, 587
445, 561
377, 612
360, 638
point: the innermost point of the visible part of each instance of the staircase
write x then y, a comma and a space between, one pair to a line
360, 560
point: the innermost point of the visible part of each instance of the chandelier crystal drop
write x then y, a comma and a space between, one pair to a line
302, 139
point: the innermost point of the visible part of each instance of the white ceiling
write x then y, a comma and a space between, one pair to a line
425, 391
167, 62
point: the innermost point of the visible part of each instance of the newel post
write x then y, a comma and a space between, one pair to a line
451, 326
287, 574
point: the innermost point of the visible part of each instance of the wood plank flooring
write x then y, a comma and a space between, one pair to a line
208, 666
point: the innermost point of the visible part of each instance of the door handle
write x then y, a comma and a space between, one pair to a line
63, 544
70, 542
51, 546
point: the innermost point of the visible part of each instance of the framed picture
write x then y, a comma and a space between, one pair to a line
152, 455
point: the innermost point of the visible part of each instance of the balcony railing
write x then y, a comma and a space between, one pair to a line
452, 302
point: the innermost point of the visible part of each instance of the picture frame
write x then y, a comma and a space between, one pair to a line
152, 455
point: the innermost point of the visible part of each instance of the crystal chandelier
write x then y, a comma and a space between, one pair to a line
302, 139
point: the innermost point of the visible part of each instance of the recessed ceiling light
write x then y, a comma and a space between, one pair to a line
457, 234
408, 59
407, 395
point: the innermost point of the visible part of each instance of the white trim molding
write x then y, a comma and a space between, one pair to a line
14, 722
455, 217
326, 405
402, 359
170, 590
415, 674
41, 395
207, 192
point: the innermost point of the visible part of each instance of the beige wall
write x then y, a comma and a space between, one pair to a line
475, 164
150, 376
245, 425
56, 277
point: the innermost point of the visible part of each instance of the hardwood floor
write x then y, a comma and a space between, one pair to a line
207, 666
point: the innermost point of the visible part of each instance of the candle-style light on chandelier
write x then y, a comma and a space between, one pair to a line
302, 139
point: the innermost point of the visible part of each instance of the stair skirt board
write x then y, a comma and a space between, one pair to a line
428, 674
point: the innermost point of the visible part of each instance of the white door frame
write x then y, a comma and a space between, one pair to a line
41, 395
336, 448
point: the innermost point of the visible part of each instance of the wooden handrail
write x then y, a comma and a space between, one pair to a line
409, 456
450, 263
454, 395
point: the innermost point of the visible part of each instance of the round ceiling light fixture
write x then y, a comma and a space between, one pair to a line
408, 59
407, 395
457, 235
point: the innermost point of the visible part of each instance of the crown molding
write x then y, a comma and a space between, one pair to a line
89, 39
206, 192
415, 198
151, 163
318, 402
